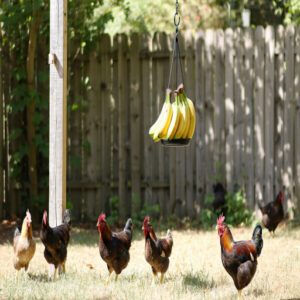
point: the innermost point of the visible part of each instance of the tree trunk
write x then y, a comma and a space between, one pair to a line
30, 109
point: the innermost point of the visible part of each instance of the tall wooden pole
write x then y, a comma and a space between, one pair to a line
58, 111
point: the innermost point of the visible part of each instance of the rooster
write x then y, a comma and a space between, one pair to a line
157, 251
24, 245
56, 241
114, 246
239, 258
272, 213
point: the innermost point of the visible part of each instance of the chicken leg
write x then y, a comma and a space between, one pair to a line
240, 295
162, 275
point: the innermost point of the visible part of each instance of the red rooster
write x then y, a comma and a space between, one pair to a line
157, 251
273, 213
56, 241
114, 246
239, 258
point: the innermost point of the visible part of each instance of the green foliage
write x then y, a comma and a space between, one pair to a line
237, 212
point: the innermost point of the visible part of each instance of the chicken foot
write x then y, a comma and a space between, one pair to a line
52, 272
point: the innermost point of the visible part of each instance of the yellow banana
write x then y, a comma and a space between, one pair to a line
188, 117
182, 124
175, 120
162, 128
161, 115
193, 119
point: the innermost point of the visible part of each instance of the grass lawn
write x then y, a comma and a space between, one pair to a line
195, 271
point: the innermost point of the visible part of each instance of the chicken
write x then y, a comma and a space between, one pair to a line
24, 245
239, 258
272, 213
56, 241
219, 203
114, 246
157, 251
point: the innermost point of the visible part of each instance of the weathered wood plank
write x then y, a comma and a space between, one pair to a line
259, 148
93, 133
75, 131
269, 114
219, 111
239, 111
146, 90
289, 114
279, 97
248, 78
297, 121
229, 108
200, 124
135, 123
106, 113
124, 203
209, 110
58, 112
190, 151
1, 135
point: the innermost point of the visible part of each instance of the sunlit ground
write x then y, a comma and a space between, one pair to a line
195, 272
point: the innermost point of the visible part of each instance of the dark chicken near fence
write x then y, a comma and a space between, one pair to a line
272, 213
239, 258
157, 251
56, 241
219, 203
114, 246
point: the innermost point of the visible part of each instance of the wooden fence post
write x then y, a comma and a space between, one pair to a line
1, 136
58, 111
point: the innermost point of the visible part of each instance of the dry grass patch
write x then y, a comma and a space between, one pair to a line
195, 272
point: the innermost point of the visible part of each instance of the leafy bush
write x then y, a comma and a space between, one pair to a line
237, 212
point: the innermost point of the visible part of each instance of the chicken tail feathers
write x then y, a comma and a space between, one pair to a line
257, 239
17, 232
128, 226
67, 217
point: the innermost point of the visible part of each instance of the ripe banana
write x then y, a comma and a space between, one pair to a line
175, 120
161, 129
188, 117
193, 119
182, 123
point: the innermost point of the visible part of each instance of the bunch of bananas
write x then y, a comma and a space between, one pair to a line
177, 120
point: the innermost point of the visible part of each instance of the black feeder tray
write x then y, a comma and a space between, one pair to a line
176, 143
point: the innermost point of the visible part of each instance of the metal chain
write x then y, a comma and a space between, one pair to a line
176, 50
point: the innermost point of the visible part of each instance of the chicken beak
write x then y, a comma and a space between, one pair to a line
97, 224
216, 227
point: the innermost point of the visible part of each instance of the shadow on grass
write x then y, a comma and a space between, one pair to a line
39, 277
198, 280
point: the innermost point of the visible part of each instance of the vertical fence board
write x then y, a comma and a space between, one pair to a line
200, 124
135, 123
93, 130
219, 108
248, 80
1, 136
297, 121
74, 156
259, 149
289, 110
279, 101
124, 204
229, 107
269, 114
146, 89
209, 110
239, 111
190, 151
105, 113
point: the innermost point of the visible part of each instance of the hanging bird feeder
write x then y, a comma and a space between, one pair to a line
175, 126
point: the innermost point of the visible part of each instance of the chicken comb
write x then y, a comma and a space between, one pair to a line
221, 219
102, 217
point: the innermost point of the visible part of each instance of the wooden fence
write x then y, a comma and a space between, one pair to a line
246, 87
